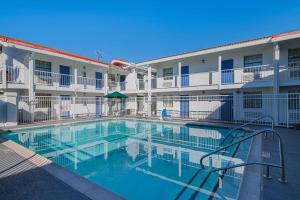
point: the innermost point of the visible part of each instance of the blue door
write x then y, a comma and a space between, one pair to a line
227, 74
64, 76
98, 107
98, 80
227, 107
185, 76
184, 106
122, 82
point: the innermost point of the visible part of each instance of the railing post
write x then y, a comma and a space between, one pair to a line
220, 70
282, 162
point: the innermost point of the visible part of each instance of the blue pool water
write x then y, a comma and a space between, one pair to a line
142, 159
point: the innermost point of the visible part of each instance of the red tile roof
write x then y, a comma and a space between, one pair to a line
230, 44
45, 48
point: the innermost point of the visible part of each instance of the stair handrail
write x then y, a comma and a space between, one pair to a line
248, 123
258, 132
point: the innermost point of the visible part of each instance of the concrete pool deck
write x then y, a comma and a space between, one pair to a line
50, 181
28, 176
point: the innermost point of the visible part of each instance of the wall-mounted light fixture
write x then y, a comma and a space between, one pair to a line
203, 60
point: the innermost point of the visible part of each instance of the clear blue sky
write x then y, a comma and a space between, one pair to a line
141, 30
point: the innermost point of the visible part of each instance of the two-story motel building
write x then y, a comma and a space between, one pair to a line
262, 66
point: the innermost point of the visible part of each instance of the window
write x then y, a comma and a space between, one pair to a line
42, 66
168, 73
253, 60
252, 100
167, 101
43, 100
294, 57
294, 100
140, 76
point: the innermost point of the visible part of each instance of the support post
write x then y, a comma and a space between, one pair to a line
220, 69
31, 91
11, 109
276, 58
179, 75
3, 58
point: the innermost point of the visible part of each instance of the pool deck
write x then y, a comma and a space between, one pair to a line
28, 176
273, 189
47, 180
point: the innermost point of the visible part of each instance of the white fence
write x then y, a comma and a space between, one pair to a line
285, 108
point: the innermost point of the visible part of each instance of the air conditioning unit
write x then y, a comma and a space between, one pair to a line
167, 84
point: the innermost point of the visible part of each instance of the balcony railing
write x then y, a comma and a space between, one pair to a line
50, 78
141, 84
247, 74
65, 80
290, 73
15, 75
90, 83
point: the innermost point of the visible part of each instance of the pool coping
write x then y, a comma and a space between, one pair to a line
83, 185
92, 190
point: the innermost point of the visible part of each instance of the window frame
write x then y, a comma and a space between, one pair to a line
255, 61
168, 75
294, 63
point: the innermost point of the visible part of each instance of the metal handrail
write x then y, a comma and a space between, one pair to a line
281, 155
248, 123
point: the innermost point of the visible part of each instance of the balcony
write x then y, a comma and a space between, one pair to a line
14, 75
289, 75
247, 75
238, 77
85, 83
64, 81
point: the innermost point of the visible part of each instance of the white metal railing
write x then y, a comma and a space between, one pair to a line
230, 108
290, 73
90, 83
15, 75
113, 85
141, 85
50, 78
65, 80
247, 74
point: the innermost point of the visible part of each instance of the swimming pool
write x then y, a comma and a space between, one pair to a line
142, 159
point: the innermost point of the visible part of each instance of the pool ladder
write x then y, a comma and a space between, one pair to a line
281, 164
249, 123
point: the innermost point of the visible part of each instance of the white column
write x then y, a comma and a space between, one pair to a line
179, 75
3, 58
220, 69
31, 92
75, 77
149, 91
11, 109
106, 82
276, 58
